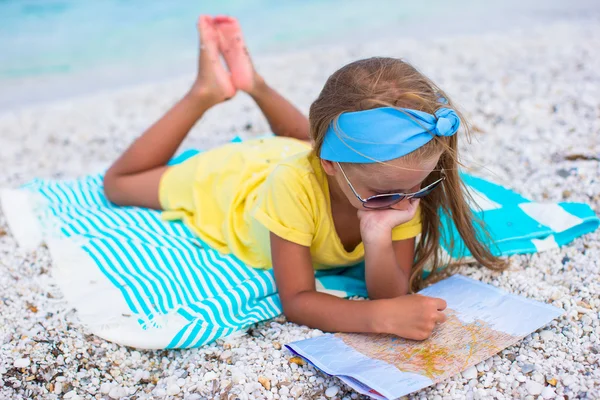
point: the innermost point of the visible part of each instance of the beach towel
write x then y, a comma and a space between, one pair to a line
139, 281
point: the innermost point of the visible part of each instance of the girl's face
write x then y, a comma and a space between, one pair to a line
396, 176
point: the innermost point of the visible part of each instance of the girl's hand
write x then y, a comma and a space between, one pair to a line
378, 224
412, 317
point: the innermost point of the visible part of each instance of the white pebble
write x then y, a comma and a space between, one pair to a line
548, 393
546, 335
173, 389
105, 388
22, 363
117, 392
470, 373
210, 376
332, 391
534, 388
296, 391
568, 380
238, 377
527, 368
139, 374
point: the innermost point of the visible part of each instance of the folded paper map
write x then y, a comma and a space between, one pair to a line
482, 320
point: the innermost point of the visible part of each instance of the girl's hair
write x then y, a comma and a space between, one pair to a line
389, 82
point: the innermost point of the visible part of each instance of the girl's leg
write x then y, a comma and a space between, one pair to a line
283, 117
134, 178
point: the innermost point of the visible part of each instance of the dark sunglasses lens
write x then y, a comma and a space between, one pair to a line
427, 191
383, 201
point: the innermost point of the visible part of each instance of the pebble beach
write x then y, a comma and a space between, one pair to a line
532, 96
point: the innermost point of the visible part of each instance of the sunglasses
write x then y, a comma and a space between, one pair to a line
389, 199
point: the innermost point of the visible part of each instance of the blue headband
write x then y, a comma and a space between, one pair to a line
382, 134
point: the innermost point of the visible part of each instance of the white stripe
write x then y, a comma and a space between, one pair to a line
552, 215
481, 201
545, 244
320, 288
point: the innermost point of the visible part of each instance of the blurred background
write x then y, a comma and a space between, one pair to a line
51, 49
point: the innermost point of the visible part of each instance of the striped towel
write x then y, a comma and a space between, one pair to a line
142, 282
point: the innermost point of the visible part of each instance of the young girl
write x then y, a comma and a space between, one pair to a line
380, 163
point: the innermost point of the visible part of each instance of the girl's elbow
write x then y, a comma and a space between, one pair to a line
292, 312
110, 188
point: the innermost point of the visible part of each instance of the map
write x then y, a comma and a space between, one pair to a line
482, 320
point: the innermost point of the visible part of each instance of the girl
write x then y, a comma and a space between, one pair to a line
380, 163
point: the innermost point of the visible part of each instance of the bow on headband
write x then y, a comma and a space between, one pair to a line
383, 134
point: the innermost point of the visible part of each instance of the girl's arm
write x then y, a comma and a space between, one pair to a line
301, 302
412, 317
387, 267
387, 263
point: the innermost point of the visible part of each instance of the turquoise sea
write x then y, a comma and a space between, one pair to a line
54, 48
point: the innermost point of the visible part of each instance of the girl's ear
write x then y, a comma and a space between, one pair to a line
329, 167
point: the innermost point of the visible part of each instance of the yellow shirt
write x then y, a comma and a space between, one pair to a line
234, 195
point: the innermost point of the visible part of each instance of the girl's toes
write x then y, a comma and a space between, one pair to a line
213, 79
209, 37
233, 49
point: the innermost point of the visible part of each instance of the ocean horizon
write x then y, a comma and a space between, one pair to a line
56, 49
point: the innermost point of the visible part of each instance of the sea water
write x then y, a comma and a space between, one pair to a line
54, 48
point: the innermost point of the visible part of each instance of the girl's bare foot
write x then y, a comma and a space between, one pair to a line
213, 82
235, 53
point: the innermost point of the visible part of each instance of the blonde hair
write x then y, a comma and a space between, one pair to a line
390, 82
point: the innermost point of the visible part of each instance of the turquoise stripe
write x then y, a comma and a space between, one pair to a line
206, 311
176, 287
176, 341
494, 192
121, 236
100, 258
228, 272
139, 299
157, 283
193, 272
145, 275
179, 273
